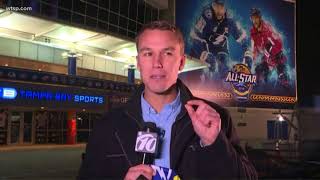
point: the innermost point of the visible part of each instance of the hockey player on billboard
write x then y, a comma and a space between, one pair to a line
210, 36
267, 50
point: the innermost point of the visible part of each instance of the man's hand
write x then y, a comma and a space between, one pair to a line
205, 120
136, 171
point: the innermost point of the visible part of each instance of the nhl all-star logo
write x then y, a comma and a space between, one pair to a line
242, 81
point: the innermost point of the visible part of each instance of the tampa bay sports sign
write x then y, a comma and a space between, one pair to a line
246, 49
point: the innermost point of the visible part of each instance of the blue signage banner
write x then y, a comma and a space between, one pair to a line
47, 95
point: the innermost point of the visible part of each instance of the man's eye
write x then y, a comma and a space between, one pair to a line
168, 53
147, 54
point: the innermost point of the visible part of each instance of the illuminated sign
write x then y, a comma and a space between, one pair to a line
51, 96
8, 93
88, 99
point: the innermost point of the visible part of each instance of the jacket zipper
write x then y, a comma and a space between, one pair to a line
174, 135
139, 124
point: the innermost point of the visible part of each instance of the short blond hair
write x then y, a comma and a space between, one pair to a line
164, 26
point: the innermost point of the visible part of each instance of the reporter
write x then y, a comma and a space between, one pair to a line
199, 140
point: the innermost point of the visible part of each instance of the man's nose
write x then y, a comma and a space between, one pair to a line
157, 61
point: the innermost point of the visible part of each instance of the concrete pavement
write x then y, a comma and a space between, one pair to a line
40, 161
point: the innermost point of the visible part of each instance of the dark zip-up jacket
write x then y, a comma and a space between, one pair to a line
110, 151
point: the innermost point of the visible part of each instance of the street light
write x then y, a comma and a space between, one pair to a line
280, 117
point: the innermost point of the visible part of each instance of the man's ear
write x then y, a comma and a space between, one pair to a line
182, 62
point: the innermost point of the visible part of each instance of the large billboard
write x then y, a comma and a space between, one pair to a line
247, 48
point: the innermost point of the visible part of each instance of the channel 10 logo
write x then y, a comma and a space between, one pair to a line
163, 173
146, 142
242, 81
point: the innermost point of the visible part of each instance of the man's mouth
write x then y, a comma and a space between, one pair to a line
157, 77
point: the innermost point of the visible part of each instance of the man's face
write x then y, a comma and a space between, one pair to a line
219, 10
159, 60
256, 21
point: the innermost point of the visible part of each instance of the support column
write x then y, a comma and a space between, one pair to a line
72, 128
131, 72
72, 64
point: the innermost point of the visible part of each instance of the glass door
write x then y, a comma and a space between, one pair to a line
27, 127
15, 130
20, 127
3, 126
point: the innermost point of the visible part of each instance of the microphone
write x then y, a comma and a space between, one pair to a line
147, 142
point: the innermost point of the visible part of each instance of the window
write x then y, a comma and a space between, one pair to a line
104, 4
95, 2
4, 116
148, 14
123, 32
49, 11
141, 11
123, 22
277, 130
113, 19
64, 15
91, 22
92, 11
77, 18
50, 1
103, 15
113, 29
13, 3
79, 6
114, 6
133, 9
124, 5
65, 4
123, 17
139, 26
132, 26
85, 123
103, 26
32, 3
50, 127
132, 35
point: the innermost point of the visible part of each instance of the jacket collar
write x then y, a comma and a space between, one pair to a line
134, 110
182, 135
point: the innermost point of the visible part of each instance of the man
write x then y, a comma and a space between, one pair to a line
210, 39
199, 140
267, 44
